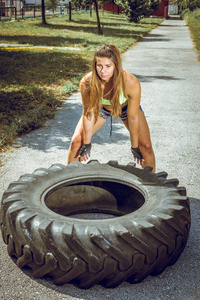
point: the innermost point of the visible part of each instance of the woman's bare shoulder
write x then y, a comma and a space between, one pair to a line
130, 78
85, 79
131, 82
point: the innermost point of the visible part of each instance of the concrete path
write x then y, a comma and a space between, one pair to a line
166, 64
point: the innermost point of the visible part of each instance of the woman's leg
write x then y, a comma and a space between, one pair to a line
77, 139
145, 141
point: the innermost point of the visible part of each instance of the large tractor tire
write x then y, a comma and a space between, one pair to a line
96, 223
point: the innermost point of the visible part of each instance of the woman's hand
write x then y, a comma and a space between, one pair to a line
137, 155
84, 153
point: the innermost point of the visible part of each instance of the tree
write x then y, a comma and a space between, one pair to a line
52, 3
136, 9
70, 10
83, 2
98, 19
191, 5
43, 13
154, 5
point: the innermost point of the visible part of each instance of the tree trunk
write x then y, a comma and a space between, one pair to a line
98, 20
70, 11
43, 13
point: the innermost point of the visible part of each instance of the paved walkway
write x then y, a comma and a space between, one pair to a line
166, 64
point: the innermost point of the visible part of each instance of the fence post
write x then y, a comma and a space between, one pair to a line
10, 9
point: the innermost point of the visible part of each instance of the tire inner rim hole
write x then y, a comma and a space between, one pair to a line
94, 200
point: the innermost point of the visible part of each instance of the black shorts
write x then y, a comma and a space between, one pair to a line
105, 113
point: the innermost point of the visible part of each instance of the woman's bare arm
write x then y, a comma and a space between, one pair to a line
133, 90
88, 122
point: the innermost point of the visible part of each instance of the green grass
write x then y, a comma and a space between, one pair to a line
193, 21
34, 81
24, 110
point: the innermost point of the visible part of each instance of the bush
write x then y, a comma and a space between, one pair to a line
185, 13
188, 4
193, 21
136, 9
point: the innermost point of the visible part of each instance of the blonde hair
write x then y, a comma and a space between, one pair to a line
93, 92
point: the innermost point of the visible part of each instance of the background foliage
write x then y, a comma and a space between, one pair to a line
190, 4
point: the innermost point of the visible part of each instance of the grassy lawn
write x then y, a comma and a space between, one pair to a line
36, 76
193, 21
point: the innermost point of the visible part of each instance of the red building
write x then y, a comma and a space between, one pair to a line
110, 7
162, 12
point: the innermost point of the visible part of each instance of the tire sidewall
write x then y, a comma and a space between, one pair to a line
47, 181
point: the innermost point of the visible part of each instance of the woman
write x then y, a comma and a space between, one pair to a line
111, 91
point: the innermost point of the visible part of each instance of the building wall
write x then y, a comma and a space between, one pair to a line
162, 12
31, 2
109, 7
17, 3
173, 7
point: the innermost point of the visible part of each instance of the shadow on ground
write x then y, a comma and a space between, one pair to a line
58, 132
